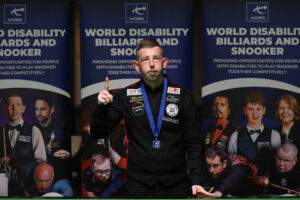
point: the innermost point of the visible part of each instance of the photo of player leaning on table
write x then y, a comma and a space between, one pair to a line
164, 133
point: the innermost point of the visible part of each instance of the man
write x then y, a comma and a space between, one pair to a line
221, 127
101, 179
56, 137
162, 131
43, 183
24, 145
255, 138
229, 175
283, 171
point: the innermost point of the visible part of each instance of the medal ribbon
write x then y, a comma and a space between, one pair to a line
155, 127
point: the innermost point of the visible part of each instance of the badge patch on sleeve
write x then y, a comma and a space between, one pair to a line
24, 138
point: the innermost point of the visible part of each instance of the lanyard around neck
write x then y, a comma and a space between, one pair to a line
155, 127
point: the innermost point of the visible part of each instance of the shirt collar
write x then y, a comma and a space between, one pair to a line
261, 128
21, 122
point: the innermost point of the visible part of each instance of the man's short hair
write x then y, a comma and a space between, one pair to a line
289, 147
45, 97
147, 43
13, 94
224, 95
101, 151
255, 98
213, 151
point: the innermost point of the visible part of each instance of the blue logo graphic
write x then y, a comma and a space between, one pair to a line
257, 12
136, 13
14, 14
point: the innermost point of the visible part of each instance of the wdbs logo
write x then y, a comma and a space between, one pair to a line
14, 14
257, 12
136, 13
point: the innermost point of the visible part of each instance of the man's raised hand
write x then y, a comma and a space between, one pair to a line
104, 97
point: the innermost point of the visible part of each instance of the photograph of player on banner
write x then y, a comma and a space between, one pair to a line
260, 125
34, 141
106, 154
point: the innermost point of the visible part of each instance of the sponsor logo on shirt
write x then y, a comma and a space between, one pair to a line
263, 144
173, 90
24, 138
172, 110
134, 92
171, 120
136, 99
138, 108
172, 99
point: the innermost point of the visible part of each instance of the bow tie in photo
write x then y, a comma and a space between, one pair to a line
258, 131
17, 127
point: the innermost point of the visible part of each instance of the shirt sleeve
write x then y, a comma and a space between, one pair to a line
38, 145
232, 146
275, 139
105, 117
192, 138
63, 187
236, 175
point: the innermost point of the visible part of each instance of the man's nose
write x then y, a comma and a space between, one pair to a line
44, 185
151, 63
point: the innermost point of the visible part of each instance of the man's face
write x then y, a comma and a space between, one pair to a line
285, 161
215, 166
15, 109
43, 181
150, 63
42, 111
254, 113
221, 108
102, 170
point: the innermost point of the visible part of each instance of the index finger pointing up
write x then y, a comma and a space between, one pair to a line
106, 83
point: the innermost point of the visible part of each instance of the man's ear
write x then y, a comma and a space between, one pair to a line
136, 65
165, 62
264, 109
225, 163
52, 109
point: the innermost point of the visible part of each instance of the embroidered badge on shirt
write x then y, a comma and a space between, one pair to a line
134, 92
172, 109
263, 144
136, 99
138, 108
173, 90
171, 120
24, 138
172, 98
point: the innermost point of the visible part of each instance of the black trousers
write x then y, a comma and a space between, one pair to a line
136, 190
